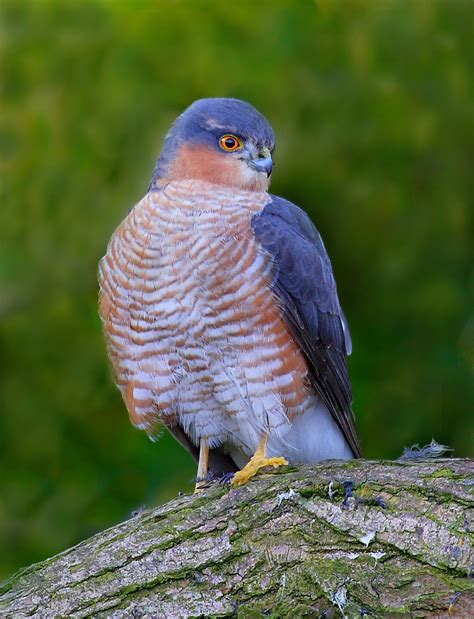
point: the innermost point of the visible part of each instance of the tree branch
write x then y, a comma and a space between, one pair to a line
382, 538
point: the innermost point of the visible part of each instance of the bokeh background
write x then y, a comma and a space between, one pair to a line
372, 103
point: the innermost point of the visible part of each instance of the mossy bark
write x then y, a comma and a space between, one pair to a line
335, 539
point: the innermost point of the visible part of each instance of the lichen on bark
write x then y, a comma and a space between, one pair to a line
334, 539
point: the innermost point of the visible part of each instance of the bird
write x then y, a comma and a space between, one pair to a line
220, 308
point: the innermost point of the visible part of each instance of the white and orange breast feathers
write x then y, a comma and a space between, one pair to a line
194, 333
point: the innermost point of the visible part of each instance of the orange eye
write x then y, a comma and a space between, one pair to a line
230, 143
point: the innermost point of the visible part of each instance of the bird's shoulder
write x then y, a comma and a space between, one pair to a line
303, 271
280, 212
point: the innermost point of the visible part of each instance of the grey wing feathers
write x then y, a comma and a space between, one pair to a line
306, 290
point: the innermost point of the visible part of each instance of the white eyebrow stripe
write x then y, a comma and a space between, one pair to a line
211, 123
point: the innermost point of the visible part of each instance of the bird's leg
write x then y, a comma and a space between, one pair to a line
257, 461
202, 465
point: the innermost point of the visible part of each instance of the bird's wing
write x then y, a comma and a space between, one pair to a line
305, 289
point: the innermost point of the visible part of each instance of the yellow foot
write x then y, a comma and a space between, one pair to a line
251, 468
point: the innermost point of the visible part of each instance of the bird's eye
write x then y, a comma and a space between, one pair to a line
230, 143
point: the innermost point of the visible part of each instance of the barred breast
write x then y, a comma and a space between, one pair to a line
193, 332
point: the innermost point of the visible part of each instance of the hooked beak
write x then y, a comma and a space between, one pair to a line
263, 163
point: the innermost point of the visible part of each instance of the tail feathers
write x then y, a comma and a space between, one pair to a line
313, 436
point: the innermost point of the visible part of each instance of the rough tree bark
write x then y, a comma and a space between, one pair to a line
336, 539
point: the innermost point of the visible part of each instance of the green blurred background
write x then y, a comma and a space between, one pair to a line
372, 103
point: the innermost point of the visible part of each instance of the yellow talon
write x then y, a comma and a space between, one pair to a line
250, 469
257, 461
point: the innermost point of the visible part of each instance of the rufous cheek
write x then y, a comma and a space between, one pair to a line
207, 164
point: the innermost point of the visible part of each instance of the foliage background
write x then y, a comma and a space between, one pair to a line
372, 105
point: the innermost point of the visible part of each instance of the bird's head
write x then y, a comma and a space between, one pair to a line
223, 141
